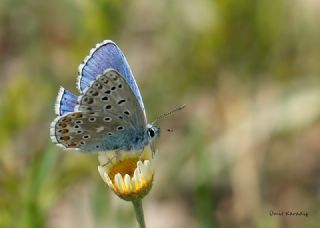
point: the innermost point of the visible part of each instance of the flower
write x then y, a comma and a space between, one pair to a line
129, 174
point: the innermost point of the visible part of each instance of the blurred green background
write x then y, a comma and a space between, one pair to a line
247, 144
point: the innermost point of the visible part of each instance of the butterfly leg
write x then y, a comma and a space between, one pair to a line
109, 161
141, 152
153, 149
117, 155
140, 155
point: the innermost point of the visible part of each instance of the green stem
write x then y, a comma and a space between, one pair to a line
137, 204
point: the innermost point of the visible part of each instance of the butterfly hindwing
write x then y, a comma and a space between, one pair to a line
66, 102
90, 132
104, 56
108, 117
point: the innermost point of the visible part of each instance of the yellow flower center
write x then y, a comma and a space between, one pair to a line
123, 167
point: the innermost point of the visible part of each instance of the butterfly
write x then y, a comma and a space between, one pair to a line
109, 114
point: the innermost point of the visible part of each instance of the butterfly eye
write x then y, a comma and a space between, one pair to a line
151, 132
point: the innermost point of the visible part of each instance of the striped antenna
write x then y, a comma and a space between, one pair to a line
168, 114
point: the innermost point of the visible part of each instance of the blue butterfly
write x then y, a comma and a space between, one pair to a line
109, 114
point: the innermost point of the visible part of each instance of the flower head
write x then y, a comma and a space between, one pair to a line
128, 174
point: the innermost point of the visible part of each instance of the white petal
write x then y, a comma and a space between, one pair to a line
139, 165
101, 172
127, 181
119, 182
103, 158
133, 184
143, 172
147, 163
141, 169
137, 177
108, 180
148, 169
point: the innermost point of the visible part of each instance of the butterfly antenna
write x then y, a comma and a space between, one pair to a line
168, 114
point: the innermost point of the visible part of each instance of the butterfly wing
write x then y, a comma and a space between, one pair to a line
108, 117
106, 55
66, 102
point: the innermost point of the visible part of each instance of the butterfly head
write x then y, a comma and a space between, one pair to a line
153, 132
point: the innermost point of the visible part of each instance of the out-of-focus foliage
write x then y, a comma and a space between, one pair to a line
247, 144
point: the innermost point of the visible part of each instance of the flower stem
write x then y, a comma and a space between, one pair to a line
137, 204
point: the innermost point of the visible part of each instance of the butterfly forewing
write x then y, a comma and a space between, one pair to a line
106, 55
110, 94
